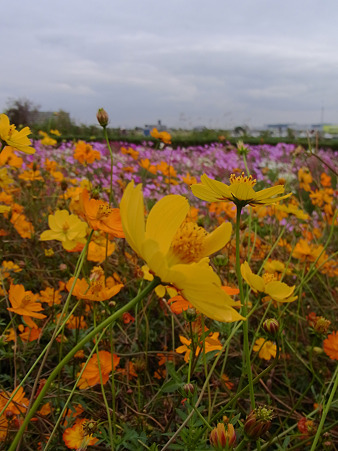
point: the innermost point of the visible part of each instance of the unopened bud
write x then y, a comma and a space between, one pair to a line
271, 327
102, 117
190, 314
223, 436
257, 422
189, 389
64, 185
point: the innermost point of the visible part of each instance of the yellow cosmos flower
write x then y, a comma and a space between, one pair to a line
278, 291
17, 139
177, 251
69, 229
266, 348
240, 191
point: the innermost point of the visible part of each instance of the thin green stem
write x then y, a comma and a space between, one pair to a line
244, 310
326, 410
73, 390
111, 196
115, 316
110, 429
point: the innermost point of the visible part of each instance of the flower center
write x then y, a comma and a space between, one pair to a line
242, 179
65, 227
188, 243
11, 131
103, 211
267, 277
26, 300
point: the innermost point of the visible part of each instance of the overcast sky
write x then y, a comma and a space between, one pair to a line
216, 63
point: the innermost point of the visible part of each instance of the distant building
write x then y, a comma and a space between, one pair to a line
148, 128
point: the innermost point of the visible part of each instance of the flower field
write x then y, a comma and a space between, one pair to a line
158, 298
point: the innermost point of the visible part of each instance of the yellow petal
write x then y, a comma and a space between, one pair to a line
154, 258
269, 192
255, 282
160, 291
50, 235
202, 287
272, 201
279, 290
217, 239
211, 190
242, 191
132, 216
165, 218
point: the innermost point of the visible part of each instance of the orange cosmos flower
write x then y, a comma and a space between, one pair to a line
30, 334
50, 296
225, 379
98, 288
330, 345
305, 178
24, 302
85, 154
178, 304
128, 370
91, 374
31, 176
100, 216
17, 406
9, 266
24, 227
163, 136
212, 343
266, 349
145, 164
77, 437
128, 318
325, 180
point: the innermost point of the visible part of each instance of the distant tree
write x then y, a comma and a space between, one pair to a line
240, 131
22, 112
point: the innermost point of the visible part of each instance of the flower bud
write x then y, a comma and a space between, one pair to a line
189, 389
241, 148
257, 422
190, 314
271, 327
102, 117
223, 436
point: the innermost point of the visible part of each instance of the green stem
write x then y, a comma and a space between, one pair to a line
65, 407
114, 317
326, 410
111, 198
244, 310
110, 429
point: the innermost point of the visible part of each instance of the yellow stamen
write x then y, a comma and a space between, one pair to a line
188, 243
267, 277
242, 179
103, 211
65, 226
